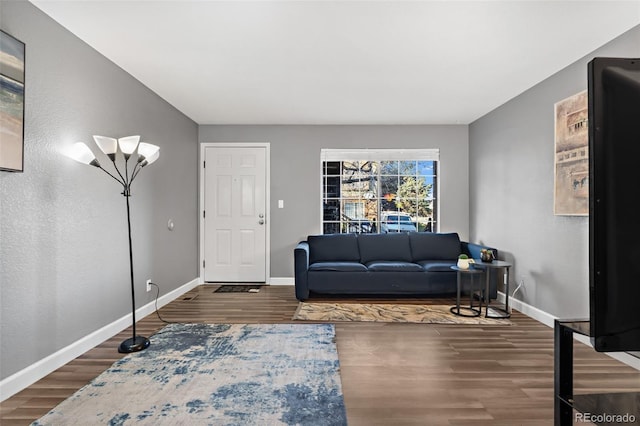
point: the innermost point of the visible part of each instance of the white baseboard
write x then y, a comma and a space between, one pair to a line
549, 320
26, 377
282, 281
530, 311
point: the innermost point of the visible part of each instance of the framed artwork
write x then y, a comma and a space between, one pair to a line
571, 183
11, 103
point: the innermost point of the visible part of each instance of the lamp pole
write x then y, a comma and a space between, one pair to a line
147, 154
135, 343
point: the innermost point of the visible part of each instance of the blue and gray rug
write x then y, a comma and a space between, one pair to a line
199, 374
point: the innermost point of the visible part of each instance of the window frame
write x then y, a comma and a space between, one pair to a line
377, 155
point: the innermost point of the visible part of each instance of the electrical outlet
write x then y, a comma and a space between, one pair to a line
148, 286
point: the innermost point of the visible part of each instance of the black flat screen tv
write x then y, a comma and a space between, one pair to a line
614, 195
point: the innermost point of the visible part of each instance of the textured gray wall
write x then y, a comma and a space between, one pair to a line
63, 235
512, 178
295, 173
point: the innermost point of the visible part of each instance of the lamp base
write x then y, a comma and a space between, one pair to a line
136, 344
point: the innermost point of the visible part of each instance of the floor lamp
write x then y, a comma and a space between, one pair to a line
146, 154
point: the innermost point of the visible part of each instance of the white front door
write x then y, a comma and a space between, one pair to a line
235, 214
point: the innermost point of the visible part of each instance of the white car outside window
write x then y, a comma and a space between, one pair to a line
396, 222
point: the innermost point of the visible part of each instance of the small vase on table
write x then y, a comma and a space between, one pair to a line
486, 255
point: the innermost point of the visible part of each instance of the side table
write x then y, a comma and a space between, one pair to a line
487, 266
473, 311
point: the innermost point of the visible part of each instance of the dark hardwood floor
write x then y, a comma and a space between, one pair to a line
392, 374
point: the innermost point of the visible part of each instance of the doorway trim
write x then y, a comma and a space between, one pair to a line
203, 147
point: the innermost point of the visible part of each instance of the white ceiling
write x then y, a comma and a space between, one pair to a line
342, 62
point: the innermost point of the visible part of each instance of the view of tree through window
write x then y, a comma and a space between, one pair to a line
379, 196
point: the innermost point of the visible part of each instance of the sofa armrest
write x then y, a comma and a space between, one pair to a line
473, 250
301, 266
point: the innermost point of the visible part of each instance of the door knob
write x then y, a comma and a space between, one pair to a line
261, 222
261, 215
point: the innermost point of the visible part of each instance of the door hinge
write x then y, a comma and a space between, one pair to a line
204, 214
204, 164
203, 264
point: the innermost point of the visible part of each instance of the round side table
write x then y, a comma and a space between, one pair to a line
496, 264
471, 310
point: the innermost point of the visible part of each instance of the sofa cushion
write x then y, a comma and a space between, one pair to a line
390, 266
333, 247
434, 246
384, 247
338, 266
437, 265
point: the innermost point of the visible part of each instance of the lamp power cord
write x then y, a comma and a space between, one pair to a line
520, 284
156, 305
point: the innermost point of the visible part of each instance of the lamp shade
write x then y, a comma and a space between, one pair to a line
128, 144
107, 145
146, 150
151, 159
82, 154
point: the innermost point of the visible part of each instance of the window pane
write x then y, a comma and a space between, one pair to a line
332, 187
331, 228
407, 168
388, 186
350, 189
425, 168
353, 210
332, 168
425, 224
407, 205
428, 180
388, 167
331, 210
350, 167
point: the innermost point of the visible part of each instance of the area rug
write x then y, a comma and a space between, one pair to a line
199, 374
238, 289
387, 312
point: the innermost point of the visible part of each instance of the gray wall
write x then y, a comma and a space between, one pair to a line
63, 236
512, 178
295, 173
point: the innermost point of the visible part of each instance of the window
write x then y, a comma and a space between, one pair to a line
379, 190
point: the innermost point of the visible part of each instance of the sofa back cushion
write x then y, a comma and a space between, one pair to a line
434, 246
333, 247
384, 247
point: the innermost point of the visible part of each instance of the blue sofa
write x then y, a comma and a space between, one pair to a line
413, 263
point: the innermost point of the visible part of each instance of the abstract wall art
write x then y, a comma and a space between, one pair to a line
571, 196
12, 84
